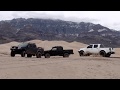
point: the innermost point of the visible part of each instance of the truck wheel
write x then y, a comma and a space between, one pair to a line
29, 55
47, 55
103, 53
38, 55
88, 54
66, 55
81, 53
23, 54
12, 54
108, 55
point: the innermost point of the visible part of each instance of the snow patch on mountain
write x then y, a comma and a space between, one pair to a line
17, 31
101, 30
91, 30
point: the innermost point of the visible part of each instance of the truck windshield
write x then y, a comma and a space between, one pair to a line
22, 45
90, 46
53, 49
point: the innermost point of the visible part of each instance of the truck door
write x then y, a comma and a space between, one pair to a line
89, 49
95, 49
60, 51
31, 49
53, 51
28, 49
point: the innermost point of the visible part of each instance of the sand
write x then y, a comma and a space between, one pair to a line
74, 67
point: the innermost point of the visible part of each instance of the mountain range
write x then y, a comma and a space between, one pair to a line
22, 30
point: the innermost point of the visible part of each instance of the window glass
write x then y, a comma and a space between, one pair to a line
101, 46
22, 45
95, 46
33, 46
90, 46
54, 49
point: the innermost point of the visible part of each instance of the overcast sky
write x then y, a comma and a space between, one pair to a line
110, 19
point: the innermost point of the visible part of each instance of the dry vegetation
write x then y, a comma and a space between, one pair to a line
74, 67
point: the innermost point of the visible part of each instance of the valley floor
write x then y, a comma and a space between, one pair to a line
74, 67
59, 68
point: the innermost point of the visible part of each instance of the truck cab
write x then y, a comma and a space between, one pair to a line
27, 48
58, 51
96, 49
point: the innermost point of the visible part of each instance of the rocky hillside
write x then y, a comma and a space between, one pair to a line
45, 29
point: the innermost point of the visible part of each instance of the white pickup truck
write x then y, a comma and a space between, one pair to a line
96, 49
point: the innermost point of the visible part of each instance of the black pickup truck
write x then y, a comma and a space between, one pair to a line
27, 48
57, 51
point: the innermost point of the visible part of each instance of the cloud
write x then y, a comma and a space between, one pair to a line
109, 19
76, 19
33, 14
51, 15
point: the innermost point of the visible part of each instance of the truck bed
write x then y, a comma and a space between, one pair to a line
70, 51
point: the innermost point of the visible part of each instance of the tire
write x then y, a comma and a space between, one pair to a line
66, 55
29, 55
23, 54
87, 54
108, 55
47, 55
81, 53
103, 53
12, 54
38, 55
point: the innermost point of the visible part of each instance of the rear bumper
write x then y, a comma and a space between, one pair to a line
112, 52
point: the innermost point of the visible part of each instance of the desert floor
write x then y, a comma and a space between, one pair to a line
74, 67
